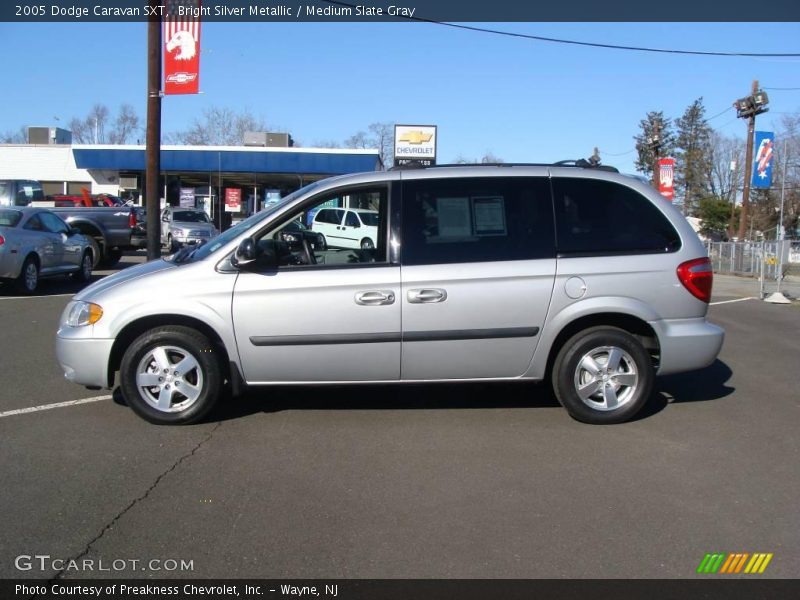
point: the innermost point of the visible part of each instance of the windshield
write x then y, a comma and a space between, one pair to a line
190, 216
231, 234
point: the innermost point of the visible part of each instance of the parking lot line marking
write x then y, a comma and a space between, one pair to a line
29, 297
729, 301
22, 411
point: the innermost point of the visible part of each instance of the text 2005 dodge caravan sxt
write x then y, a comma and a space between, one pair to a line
477, 273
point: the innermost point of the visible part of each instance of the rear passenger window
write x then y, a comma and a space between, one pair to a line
476, 220
602, 217
351, 220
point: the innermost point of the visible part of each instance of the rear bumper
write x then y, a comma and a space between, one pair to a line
687, 344
84, 361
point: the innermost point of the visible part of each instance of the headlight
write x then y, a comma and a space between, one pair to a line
83, 313
175, 231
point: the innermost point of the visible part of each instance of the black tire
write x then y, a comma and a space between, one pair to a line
28, 280
610, 395
171, 245
110, 257
367, 244
204, 380
96, 254
84, 273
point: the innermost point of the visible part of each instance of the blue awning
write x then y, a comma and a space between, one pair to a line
227, 161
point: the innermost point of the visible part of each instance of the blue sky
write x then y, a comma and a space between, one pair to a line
524, 101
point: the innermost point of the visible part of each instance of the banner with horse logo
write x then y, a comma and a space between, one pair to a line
182, 47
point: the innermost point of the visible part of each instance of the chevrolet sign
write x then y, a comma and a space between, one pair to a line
415, 144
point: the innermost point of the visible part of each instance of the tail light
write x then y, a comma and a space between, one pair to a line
2, 240
697, 277
132, 219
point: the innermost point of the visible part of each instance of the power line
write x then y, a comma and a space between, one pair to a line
719, 114
782, 89
621, 153
578, 43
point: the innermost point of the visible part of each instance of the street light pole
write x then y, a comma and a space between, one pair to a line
748, 108
153, 141
780, 235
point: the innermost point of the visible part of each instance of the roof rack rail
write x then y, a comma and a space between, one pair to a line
580, 163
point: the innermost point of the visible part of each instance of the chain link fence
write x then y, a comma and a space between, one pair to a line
749, 258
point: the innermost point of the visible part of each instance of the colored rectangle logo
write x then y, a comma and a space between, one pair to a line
733, 563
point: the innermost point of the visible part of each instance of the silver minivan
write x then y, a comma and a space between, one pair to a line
518, 272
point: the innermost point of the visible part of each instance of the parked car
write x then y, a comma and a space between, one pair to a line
576, 274
19, 192
35, 243
181, 226
347, 228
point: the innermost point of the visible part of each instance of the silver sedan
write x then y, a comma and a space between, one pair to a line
35, 243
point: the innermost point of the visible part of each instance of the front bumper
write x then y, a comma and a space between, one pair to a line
84, 360
687, 344
190, 239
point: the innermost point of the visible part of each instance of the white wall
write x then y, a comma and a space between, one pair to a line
51, 163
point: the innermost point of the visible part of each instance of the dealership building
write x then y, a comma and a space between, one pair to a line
203, 176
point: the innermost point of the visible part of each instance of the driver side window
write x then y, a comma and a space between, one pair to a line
348, 227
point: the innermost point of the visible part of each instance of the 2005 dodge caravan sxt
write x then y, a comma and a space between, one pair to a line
480, 272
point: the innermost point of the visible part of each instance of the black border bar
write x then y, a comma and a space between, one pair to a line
423, 10
707, 588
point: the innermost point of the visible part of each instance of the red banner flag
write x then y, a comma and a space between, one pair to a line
666, 172
182, 48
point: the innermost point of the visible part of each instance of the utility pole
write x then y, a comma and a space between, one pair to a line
734, 190
748, 108
153, 141
655, 147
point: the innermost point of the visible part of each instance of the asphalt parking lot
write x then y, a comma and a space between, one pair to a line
440, 481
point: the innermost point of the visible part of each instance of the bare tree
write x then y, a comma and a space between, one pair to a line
383, 139
725, 167
126, 123
326, 144
487, 159
219, 126
358, 140
14, 137
97, 128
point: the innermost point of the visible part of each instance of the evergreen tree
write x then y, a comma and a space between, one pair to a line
693, 157
644, 141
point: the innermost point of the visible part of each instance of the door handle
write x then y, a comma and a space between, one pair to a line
375, 297
427, 296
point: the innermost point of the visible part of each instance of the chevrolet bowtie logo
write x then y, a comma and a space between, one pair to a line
415, 137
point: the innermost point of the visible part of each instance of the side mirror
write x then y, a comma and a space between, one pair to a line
263, 255
245, 253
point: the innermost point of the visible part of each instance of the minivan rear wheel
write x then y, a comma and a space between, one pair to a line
603, 375
171, 375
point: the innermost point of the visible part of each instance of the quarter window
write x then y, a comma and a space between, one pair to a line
595, 216
53, 224
476, 220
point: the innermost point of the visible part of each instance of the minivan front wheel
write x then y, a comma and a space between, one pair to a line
171, 375
603, 375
